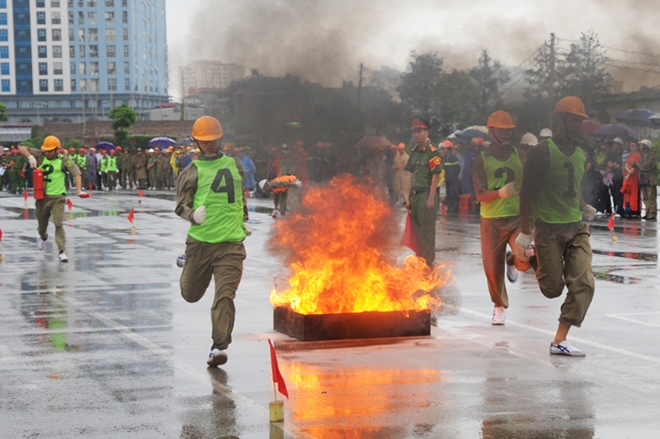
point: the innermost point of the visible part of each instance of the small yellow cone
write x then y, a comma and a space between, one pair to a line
139, 201
276, 409
615, 237
133, 230
0, 257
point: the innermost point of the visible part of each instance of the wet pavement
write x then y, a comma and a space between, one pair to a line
105, 347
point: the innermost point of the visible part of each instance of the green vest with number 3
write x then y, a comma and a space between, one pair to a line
558, 198
220, 189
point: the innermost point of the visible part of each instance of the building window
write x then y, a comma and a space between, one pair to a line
110, 34
91, 3
83, 85
127, 85
58, 85
81, 51
81, 17
3, 4
55, 3
109, 3
4, 35
94, 85
72, 51
94, 51
127, 68
94, 68
91, 18
73, 85
4, 51
6, 85
93, 34
4, 68
112, 68
110, 51
57, 34
109, 17
71, 17
41, 18
125, 50
41, 3
125, 34
57, 51
112, 84
81, 3
43, 51
55, 17
43, 68
71, 34
72, 67
41, 34
81, 34
124, 17
124, 3
22, 35
57, 68
83, 68
43, 85
3, 18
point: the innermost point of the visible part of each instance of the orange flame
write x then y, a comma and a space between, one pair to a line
341, 246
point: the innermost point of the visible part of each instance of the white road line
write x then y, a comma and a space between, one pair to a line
576, 339
627, 319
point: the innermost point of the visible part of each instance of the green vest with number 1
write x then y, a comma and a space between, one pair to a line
558, 198
220, 189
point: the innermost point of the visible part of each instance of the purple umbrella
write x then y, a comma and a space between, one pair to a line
161, 142
104, 145
609, 131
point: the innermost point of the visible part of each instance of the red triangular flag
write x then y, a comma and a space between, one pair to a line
140, 193
0, 234
131, 215
275, 371
444, 209
409, 238
69, 203
25, 194
91, 187
610, 224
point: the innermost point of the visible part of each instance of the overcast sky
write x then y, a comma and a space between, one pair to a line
326, 40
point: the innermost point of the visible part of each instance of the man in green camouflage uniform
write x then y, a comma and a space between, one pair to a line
152, 165
17, 176
126, 167
423, 200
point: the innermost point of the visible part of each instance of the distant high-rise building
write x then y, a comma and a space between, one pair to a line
210, 74
76, 59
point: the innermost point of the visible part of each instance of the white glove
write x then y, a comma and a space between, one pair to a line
588, 213
199, 215
523, 243
298, 183
509, 190
248, 228
32, 161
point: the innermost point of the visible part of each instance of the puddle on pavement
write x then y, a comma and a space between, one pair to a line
647, 257
600, 275
260, 209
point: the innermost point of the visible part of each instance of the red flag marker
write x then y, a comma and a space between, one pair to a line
610, 224
131, 215
91, 187
140, 193
25, 194
409, 238
0, 234
275, 370
69, 203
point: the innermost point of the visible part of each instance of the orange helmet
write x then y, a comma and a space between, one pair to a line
103, 151
572, 105
446, 144
118, 148
112, 152
72, 150
207, 128
82, 151
500, 119
50, 143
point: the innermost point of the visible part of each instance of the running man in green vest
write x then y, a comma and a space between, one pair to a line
55, 166
423, 199
497, 175
210, 195
111, 168
551, 207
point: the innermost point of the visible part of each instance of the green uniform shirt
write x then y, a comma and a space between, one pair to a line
19, 161
423, 163
497, 175
558, 198
220, 189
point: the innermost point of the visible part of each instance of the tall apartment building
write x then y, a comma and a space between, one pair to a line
76, 59
210, 74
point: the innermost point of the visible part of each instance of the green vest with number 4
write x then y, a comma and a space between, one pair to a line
497, 175
220, 189
53, 176
558, 198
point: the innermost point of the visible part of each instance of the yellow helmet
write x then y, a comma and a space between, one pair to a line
50, 143
207, 128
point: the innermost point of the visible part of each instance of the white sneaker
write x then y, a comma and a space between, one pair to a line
564, 348
41, 244
511, 270
498, 316
599, 214
217, 357
617, 216
63, 257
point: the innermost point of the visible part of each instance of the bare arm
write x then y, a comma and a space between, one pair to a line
480, 182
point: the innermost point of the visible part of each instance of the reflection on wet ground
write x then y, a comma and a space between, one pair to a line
650, 257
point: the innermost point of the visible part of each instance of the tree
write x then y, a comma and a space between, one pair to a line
489, 75
583, 71
3, 113
420, 82
122, 117
457, 100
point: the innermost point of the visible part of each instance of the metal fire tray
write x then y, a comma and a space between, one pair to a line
372, 324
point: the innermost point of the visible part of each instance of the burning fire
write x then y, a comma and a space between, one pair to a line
341, 246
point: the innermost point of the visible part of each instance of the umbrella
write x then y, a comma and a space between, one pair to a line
471, 133
374, 142
655, 119
588, 126
609, 131
186, 142
161, 142
637, 118
104, 145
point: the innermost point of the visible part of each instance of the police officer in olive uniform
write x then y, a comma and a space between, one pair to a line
210, 195
423, 200
17, 176
55, 166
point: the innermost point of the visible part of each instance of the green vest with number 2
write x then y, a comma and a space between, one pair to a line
220, 189
558, 198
